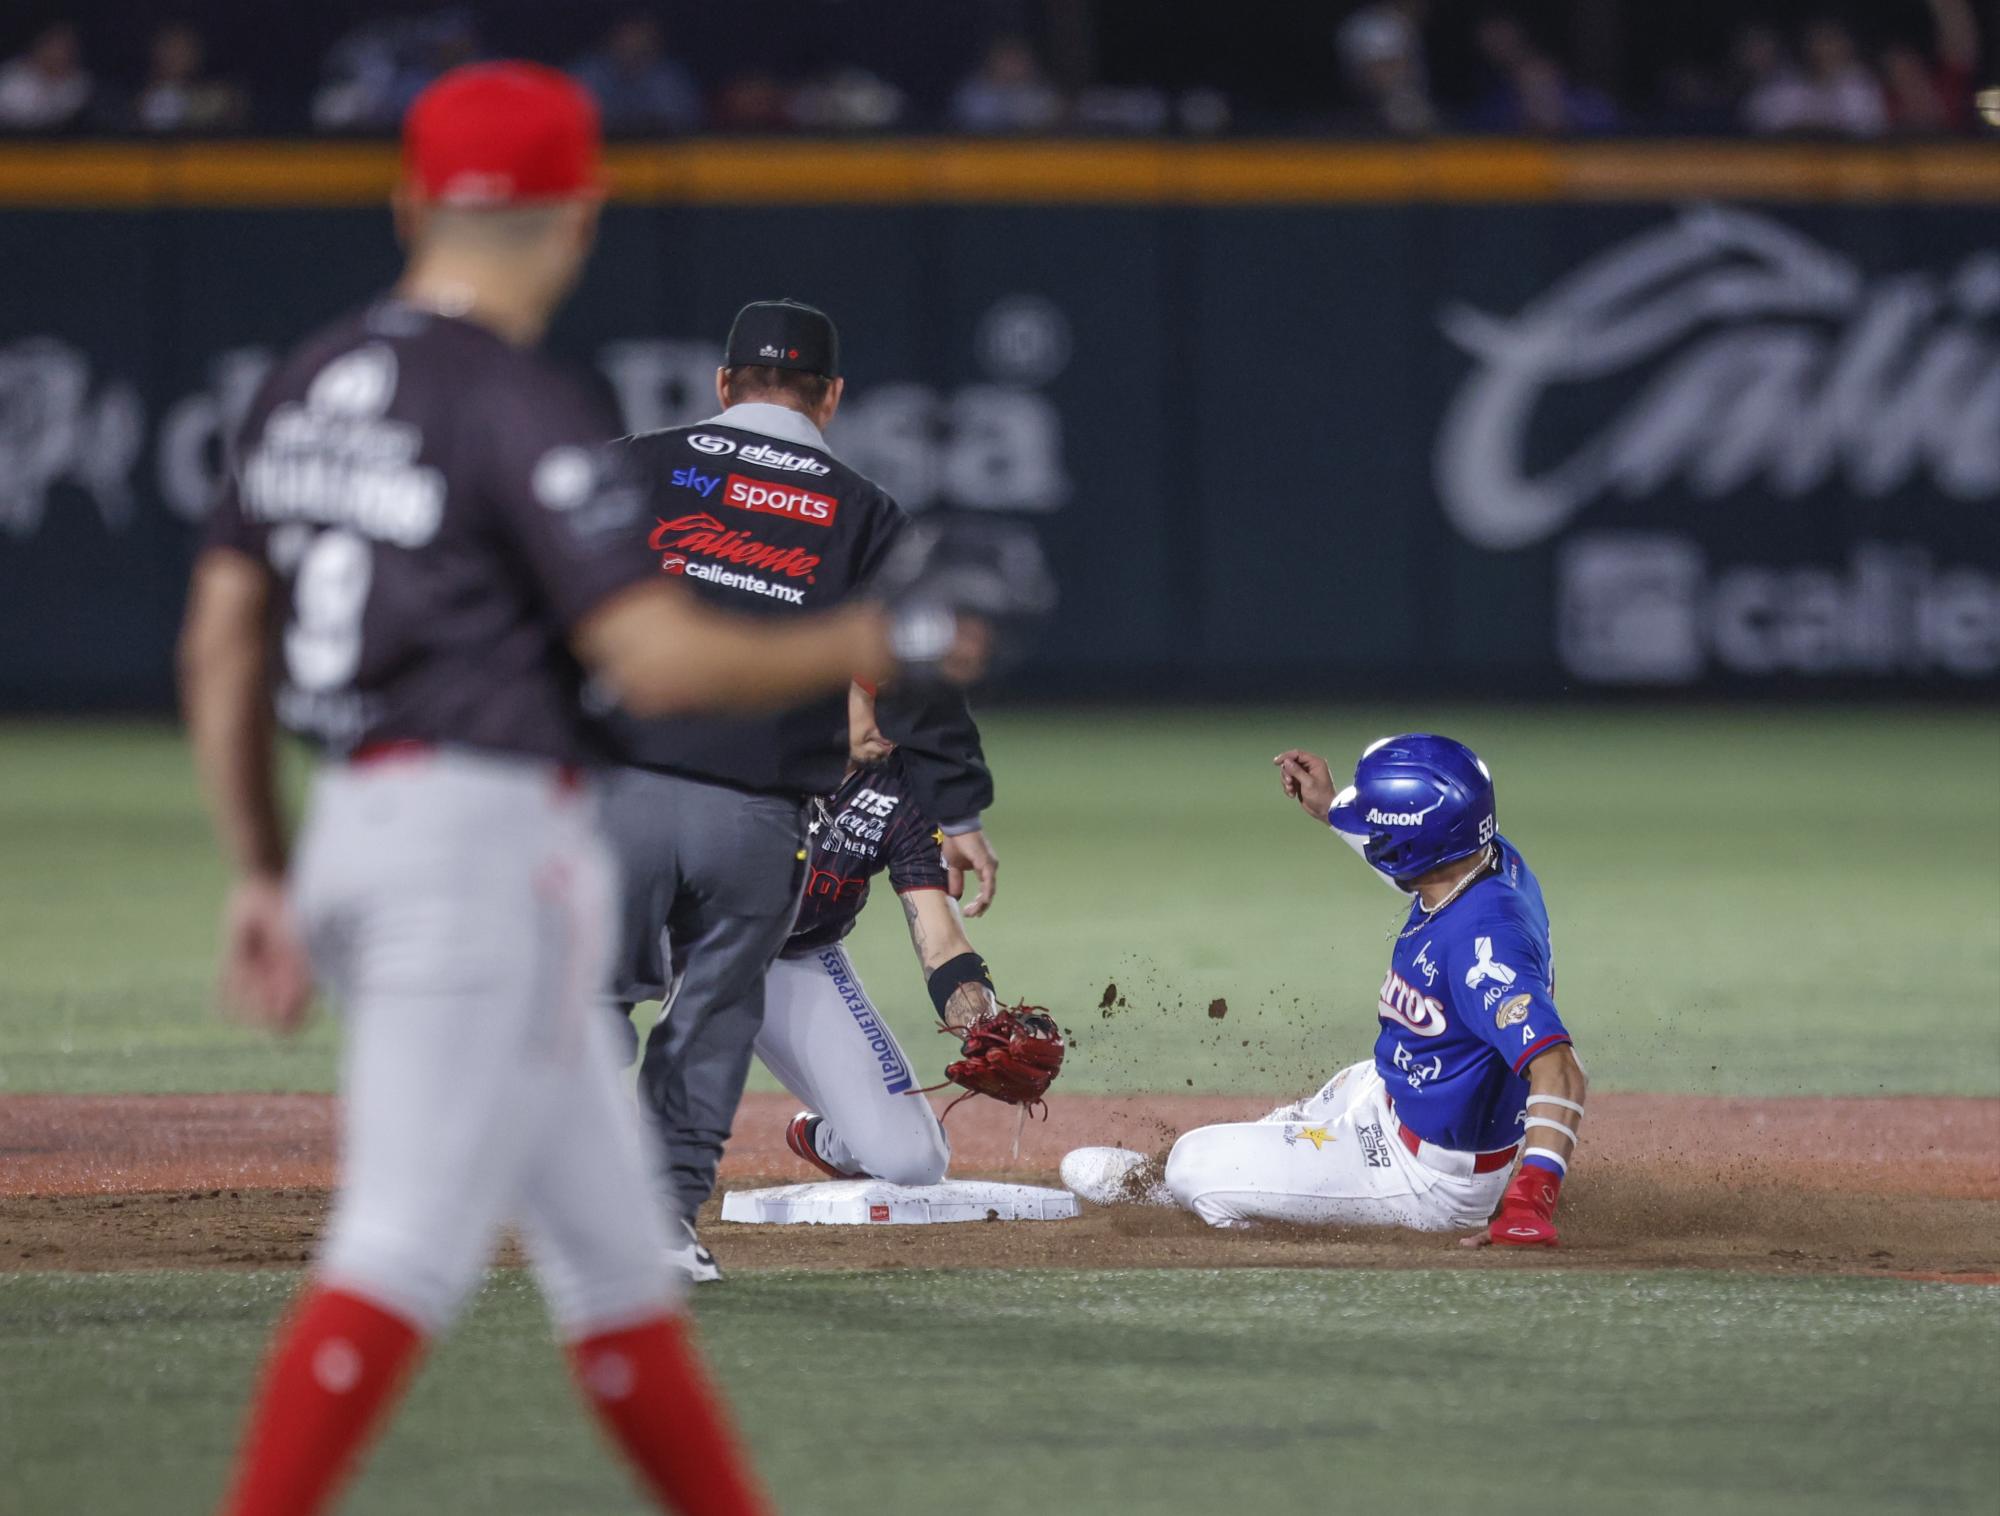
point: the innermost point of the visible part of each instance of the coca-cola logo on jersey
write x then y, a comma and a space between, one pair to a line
702, 534
1754, 358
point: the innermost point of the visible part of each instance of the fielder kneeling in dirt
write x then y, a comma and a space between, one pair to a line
1473, 1068
823, 1037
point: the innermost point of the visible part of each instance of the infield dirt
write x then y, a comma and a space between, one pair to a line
1901, 1187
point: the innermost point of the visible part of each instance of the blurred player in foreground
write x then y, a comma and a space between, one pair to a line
822, 1035
423, 536
1472, 1069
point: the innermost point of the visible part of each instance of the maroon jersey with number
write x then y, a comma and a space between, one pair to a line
440, 512
873, 822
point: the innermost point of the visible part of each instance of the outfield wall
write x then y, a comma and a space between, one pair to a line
1476, 418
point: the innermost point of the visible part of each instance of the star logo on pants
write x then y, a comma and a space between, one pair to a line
1318, 1136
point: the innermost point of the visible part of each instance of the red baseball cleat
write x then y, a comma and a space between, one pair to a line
799, 1135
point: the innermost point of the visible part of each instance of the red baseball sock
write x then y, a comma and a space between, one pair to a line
648, 1385
332, 1373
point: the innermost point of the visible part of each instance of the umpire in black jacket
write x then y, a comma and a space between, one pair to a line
708, 817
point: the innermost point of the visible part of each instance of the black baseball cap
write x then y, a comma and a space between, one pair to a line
784, 334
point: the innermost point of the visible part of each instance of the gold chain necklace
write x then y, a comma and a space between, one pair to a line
1429, 912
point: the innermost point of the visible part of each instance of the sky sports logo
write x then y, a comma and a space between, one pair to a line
694, 479
729, 579
786, 500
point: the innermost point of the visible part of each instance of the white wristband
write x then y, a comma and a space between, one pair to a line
1568, 1105
1553, 1125
1556, 1158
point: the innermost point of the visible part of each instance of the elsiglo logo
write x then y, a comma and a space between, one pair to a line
708, 442
766, 456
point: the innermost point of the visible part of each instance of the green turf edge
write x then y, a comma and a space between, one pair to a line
1240, 1390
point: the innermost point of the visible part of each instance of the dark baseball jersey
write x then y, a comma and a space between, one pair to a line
752, 513
873, 822
440, 512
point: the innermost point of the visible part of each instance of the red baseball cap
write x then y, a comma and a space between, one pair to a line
491, 134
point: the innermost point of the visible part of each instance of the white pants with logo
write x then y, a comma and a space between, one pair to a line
1335, 1157
825, 1042
456, 906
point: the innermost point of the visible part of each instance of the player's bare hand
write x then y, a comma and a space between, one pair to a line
1532, 1235
970, 852
971, 651
961, 591
1306, 778
266, 977
1526, 1215
967, 1004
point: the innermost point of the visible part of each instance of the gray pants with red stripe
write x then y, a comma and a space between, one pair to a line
454, 905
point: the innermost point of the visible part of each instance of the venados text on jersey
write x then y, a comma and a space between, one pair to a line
359, 473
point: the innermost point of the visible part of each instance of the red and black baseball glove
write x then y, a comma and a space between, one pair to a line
1011, 1053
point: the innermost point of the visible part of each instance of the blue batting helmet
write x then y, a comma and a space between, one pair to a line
1417, 801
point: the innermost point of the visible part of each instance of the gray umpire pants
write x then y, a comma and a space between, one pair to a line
712, 877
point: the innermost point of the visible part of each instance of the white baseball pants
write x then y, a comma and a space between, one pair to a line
824, 1040
1334, 1157
456, 905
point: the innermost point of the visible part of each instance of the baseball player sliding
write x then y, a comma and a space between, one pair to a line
420, 548
1473, 1077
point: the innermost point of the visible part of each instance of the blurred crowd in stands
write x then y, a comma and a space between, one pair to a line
1406, 68
1812, 77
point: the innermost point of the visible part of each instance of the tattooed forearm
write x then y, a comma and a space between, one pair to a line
919, 939
967, 1004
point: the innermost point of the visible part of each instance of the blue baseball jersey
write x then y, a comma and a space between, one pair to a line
1468, 1003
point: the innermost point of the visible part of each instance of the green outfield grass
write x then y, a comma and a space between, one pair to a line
1249, 1392
1794, 902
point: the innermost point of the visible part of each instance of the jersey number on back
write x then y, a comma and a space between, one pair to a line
323, 643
